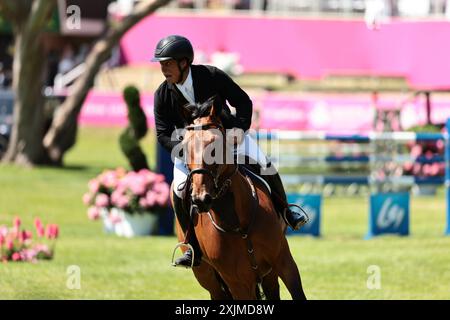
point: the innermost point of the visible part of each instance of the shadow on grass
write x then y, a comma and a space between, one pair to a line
69, 167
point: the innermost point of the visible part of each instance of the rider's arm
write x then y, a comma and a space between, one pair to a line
163, 122
237, 98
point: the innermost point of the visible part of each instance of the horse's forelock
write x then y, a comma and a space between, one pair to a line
200, 109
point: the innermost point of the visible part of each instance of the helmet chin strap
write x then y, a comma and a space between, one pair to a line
182, 71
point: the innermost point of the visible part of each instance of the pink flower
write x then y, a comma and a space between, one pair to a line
102, 200
137, 184
416, 150
39, 227
27, 235
159, 178
3, 231
161, 200
163, 188
93, 213
120, 172
9, 244
48, 231
122, 202
162, 193
17, 223
440, 145
115, 196
434, 169
29, 255
40, 232
143, 203
37, 223
20, 237
2, 240
147, 175
16, 256
408, 165
54, 231
93, 185
87, 199
151, 198
109, 179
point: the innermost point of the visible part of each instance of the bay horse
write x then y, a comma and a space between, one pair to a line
241, 236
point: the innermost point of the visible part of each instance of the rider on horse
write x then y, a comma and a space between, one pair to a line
189, 84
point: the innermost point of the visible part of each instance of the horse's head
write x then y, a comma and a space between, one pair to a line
206, 154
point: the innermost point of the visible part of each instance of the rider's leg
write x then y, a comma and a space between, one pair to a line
295, 219
183, 216
250, 148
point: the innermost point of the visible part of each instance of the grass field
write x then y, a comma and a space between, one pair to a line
333, 267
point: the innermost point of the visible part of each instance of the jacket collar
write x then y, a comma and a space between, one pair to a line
198, 90
195, 83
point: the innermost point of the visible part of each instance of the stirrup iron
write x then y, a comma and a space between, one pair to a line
179, 245
300, 208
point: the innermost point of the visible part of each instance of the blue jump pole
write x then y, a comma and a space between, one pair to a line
447, 177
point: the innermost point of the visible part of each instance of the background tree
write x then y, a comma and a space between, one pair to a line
35, 139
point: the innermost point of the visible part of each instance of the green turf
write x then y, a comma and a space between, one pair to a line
333, 267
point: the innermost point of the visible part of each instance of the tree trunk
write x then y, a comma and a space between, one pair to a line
56, 141
30, 142
28, 19
25, 146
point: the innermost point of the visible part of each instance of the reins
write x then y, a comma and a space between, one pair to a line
220, 191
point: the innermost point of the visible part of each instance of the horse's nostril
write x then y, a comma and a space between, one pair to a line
207, 199
197, 201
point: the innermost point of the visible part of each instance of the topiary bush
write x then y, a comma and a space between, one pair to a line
136, 130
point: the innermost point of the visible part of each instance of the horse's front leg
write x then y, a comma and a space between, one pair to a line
242, 290
287, 269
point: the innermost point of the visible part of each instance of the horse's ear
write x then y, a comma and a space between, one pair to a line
213, 111
186, 113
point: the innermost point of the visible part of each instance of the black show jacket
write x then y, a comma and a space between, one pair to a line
207, 82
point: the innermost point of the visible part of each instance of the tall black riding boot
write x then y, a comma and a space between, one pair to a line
293, 218
183, 217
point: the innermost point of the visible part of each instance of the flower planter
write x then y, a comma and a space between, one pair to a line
142, 195
133, 224
108, 224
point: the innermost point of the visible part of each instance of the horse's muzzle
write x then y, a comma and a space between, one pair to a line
203, 202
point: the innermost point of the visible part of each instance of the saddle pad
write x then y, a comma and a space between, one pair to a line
254, 175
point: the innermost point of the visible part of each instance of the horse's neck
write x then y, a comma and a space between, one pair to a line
243, 199
234, 208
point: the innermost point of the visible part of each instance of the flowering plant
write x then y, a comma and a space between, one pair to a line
427, 156
18, 245
142, 191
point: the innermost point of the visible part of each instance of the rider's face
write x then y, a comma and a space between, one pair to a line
170, 70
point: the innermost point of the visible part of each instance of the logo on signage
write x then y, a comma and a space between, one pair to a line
390, 215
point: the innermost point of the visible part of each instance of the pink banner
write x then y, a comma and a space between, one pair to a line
109, 109
309, 48
331, 113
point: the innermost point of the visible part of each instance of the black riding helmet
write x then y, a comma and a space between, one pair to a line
174, 47
177, 48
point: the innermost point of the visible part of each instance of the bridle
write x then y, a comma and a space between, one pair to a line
219, 191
